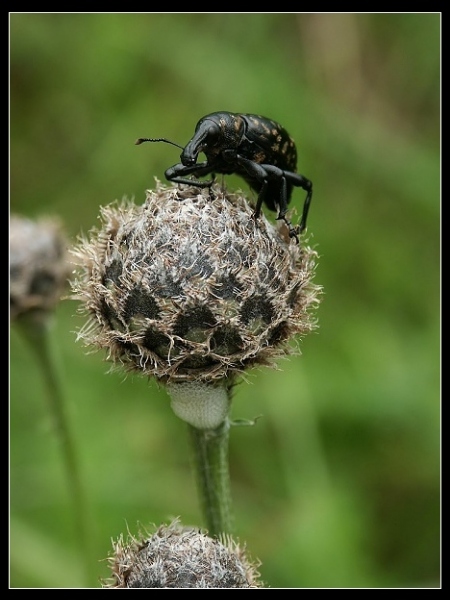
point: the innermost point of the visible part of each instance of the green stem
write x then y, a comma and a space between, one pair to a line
35, 329
212, 469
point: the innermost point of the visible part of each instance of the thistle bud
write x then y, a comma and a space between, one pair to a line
38, 265
190, 287
180, 557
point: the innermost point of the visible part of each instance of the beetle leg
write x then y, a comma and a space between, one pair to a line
273, 173
255, 172
293, 231
277, 175
298, 181
263, 174
305, 210
282, 203
306, 184
178, 174
261, 196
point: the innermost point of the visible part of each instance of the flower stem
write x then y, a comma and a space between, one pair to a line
35, 330
211, 461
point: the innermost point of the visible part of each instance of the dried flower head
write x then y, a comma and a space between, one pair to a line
180, 557
39, 268
189, 287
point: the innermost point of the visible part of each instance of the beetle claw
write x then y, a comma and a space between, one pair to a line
293, 231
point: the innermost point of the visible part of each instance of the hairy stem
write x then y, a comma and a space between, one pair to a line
211, 462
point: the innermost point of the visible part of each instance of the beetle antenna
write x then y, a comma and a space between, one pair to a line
141, 140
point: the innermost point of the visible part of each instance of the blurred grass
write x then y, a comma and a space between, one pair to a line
338, 485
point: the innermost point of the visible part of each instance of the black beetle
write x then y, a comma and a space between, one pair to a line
256, 148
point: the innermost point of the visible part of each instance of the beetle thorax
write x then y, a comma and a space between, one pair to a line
233, 130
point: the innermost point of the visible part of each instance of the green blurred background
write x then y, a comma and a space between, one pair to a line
338, 484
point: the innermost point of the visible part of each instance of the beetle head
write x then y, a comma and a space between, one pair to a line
207, 136
213, 133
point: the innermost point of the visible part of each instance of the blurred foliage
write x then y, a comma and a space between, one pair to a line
338, 484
